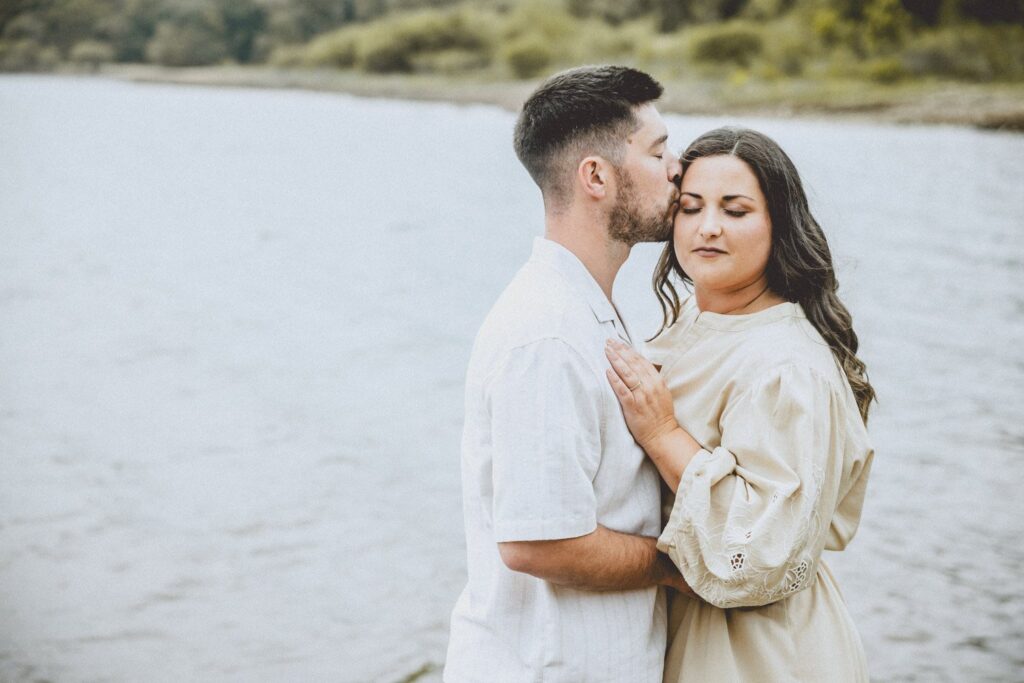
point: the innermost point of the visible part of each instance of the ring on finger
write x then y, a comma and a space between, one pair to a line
635, 386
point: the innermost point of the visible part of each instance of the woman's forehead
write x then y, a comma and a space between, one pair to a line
719, 170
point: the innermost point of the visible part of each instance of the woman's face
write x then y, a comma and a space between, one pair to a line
722, 233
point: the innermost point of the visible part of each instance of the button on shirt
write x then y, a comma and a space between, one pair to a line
547, 455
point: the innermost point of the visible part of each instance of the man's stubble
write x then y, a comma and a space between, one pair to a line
627, 222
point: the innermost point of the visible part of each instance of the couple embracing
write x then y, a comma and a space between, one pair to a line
640, 514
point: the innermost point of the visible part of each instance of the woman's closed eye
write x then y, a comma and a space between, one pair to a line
735, 213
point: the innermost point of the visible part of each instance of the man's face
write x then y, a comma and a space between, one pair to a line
646, 194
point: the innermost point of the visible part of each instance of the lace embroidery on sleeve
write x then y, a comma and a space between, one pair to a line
735, 566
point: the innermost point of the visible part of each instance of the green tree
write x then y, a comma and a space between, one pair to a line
91, 53
994, 11
243, 20
887, 24
193, 38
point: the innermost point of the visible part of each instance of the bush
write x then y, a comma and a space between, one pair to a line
790, 50
665, 53
27, 55
885, 70
454, 61
886, 24
534, 18
967, 53
429, 40
287, 56
735, 44
379, 52
92, 53
25, 27
527, 56
828, 26
604, 42
337, 49
761, 10
176, 44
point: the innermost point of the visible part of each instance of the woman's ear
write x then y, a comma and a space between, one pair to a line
594, 176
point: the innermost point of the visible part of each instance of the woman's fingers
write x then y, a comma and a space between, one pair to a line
622, 367
619, 387
640, 366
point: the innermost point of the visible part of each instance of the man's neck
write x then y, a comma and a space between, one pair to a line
589, 242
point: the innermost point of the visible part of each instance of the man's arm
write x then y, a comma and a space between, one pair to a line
601, 560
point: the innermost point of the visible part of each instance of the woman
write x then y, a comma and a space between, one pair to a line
756, 422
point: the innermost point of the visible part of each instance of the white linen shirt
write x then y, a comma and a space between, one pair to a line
547, 455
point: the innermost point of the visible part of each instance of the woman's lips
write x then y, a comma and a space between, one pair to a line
708, 252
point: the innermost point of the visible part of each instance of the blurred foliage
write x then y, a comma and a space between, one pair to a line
91, 53
738, 41
528, 55
721, 43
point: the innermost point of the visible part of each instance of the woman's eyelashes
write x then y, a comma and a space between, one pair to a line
735, 213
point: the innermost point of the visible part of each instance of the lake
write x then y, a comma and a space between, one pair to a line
234, 326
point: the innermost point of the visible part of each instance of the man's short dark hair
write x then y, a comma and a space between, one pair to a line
583, 111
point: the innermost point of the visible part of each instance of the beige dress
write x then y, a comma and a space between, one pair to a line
781, 477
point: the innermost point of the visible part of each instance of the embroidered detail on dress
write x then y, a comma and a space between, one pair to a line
737, 561
732, 564
796, 577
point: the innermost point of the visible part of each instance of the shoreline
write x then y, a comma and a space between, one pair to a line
992, 106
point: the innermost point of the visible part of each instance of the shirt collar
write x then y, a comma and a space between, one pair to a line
582, 282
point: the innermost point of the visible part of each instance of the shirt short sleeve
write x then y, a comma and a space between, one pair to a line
545, 410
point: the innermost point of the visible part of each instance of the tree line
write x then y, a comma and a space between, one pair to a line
515, 37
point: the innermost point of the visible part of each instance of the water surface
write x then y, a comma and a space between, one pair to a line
233, 334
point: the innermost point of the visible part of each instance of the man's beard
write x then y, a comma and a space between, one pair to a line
627, 223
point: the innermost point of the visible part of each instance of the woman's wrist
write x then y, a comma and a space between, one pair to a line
671, 452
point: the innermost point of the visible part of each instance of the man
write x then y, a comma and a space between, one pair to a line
561, 506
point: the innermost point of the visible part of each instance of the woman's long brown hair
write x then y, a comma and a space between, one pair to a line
800, 264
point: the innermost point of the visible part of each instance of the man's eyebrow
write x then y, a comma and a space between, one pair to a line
659, 141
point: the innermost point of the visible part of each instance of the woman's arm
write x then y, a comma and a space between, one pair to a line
647, 407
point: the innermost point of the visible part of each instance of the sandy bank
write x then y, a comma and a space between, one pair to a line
990, 106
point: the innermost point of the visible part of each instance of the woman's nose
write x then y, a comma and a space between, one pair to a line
710, 225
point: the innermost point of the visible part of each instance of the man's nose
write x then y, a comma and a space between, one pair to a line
675, 170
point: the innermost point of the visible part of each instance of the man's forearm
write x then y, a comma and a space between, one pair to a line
601, 560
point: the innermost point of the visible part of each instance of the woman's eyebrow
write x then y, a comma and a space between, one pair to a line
728, 197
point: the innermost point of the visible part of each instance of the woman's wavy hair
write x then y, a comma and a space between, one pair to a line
800, 263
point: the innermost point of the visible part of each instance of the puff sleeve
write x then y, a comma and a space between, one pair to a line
752, 515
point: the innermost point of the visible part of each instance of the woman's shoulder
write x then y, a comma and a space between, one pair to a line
751, 347
792, 340
788, 346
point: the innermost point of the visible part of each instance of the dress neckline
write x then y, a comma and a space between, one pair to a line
741, 321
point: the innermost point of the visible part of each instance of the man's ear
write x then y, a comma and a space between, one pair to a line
594, 175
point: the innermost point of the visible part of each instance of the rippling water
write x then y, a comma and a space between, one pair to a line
233, 331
